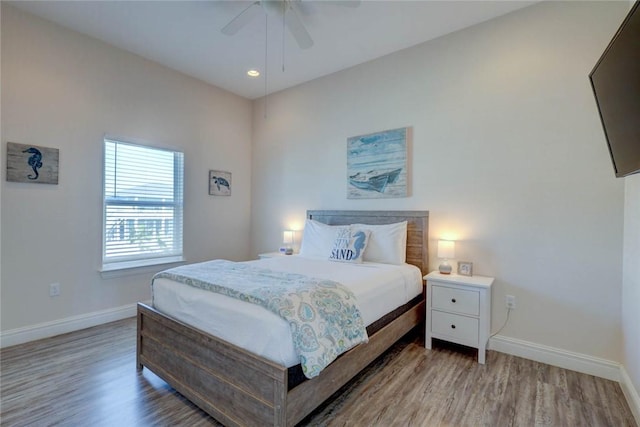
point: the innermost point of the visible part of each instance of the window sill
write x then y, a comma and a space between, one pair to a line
131, 268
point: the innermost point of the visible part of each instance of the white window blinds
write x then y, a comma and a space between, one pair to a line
143, 202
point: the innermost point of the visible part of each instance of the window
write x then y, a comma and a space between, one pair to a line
143, 194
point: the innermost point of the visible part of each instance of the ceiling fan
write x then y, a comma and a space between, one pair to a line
287, 10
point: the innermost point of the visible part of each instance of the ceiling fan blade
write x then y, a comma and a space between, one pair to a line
297, 29
241, 20
306, 8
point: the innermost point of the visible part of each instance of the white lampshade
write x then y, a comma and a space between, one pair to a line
446, 249
287, 237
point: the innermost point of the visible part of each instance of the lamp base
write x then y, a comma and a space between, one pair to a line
444, 268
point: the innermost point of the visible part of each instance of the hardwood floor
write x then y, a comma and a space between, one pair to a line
89, 378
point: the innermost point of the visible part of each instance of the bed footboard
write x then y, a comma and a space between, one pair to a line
239, 388
232, 385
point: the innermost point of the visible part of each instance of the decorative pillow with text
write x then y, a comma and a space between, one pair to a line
349, 245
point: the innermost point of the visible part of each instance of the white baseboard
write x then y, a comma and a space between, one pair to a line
630, 393
573, 361
62, 326
557, 357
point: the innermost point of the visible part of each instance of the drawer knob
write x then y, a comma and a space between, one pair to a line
453, 300
453, 326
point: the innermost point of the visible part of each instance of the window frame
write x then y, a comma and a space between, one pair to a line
115, 264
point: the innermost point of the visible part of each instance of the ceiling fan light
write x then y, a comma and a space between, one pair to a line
274, 7
253, 73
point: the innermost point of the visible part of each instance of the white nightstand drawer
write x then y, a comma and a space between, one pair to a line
460, 329
455, 300
459, 310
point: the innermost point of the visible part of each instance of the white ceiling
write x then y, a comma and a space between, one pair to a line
185, 35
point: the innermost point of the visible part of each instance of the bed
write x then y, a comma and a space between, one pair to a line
241, 387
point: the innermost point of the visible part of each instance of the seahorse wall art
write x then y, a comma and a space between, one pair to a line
32, 163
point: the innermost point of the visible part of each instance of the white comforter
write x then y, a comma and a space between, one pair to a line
379, 289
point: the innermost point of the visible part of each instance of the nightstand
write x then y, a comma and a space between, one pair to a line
459, 310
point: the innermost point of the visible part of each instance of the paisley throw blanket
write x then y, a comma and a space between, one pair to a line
323, 315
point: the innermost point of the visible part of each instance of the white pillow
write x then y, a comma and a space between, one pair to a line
349, 245
387, 243
318, 239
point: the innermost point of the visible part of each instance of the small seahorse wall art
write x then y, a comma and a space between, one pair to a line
32, 163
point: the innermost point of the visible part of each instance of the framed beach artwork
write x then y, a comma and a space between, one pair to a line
32, 163
377, 165
219, 183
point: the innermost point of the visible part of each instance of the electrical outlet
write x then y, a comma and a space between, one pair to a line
510, 301
54, 289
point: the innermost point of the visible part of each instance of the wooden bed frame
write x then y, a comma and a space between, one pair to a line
237, 387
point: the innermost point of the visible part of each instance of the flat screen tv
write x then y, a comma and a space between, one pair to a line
616, 85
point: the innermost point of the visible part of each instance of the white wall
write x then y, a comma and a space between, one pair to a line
1, 157
65, 90
508, 153
631, 288
631, 281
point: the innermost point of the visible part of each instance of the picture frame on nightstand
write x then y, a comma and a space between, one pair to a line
465, 268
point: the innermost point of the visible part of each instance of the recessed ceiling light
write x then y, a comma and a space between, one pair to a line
253, 73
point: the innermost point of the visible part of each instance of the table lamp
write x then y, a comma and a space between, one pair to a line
287, 242
446, 251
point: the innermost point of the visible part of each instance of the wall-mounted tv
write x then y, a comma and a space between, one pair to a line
616, 85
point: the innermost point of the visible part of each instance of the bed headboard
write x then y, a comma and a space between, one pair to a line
417, 228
